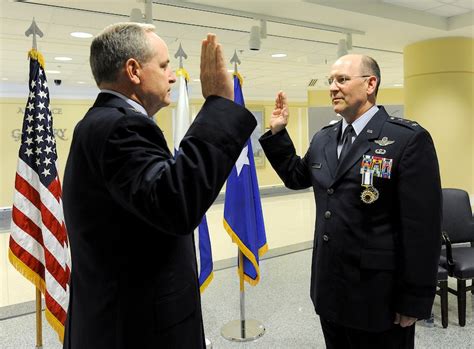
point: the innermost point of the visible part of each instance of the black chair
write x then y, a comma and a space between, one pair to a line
458, 226
442, 292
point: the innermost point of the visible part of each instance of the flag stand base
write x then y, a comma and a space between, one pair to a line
243, 331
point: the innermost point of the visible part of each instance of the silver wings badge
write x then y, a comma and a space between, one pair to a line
384, 141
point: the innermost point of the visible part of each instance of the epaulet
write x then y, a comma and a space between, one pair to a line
404, 122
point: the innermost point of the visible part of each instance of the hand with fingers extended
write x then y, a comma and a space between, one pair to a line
215, 80
404, 320
280, 114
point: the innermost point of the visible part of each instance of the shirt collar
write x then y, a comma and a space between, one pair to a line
361, 121
138, 107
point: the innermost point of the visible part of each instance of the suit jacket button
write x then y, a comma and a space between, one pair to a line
330, 191
327, 214
325, 238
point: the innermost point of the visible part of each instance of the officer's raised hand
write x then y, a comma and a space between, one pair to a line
280, 114
215, 80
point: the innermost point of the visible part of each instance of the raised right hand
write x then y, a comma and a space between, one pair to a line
280, 114
215, 79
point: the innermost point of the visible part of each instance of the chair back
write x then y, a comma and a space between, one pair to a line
457, 216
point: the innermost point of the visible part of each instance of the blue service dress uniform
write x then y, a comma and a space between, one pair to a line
374, 253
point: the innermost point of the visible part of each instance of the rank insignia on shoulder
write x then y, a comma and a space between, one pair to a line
384, 141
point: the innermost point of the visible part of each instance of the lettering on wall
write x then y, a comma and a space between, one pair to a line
59, 133
54, 111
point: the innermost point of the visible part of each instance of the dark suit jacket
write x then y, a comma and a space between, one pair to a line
369, 260
130, 211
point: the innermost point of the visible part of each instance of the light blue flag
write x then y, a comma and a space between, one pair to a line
243, 218
182, 121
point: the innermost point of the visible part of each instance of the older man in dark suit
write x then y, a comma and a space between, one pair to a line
378, 211
131, 207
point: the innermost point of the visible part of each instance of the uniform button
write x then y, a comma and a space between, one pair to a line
330, 191
325, 238
327, 214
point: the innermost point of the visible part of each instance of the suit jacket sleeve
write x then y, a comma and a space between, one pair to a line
420, 207
281, 153
169, 193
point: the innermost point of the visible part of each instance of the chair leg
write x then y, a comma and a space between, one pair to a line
462, 302
443, 292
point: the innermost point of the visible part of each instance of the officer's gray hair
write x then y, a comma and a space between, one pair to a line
371, 67
117, 43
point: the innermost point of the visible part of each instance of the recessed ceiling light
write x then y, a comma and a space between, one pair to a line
279, 55
81, 35
397, 85
4, 79
53, 71
63, 58
81, 82
196, 80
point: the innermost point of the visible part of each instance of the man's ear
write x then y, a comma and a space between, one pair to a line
371, 85
133, 71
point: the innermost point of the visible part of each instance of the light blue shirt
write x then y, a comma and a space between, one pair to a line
135, 105
358, 125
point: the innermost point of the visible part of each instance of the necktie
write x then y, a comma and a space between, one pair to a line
346, 141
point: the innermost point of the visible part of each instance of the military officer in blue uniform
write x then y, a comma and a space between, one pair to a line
378, 212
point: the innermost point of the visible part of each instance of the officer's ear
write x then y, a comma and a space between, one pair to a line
133, 71
371, 84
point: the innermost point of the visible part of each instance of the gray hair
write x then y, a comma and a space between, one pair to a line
117, 43
370, 66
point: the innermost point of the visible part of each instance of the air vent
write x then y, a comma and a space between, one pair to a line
312, 82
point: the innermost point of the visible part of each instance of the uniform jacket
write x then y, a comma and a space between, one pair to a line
369, 260
130, 211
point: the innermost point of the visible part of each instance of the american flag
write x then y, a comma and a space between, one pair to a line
39, 247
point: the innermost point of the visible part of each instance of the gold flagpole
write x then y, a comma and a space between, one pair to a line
34, 30
39, 327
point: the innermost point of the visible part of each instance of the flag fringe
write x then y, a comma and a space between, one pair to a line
206, 282
26, 271
247, 253
35, 54
241, 80
38, 282
55, 324
183, 72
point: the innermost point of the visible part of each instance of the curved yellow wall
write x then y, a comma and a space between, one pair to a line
439, 94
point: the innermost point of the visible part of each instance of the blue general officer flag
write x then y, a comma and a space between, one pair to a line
243, 218
182, 121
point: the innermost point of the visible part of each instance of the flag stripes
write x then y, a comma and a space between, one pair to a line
38, 245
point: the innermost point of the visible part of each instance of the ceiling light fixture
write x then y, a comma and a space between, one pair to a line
63, 58
81, 35
342, 48
137, 16
254, 41
349, 41
279, 55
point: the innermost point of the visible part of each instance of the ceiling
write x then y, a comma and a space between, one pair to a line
307, 31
